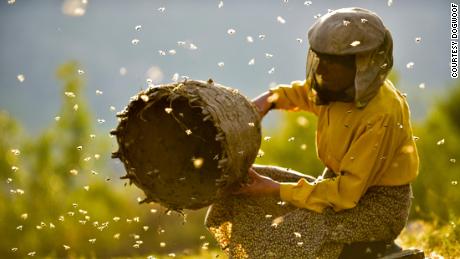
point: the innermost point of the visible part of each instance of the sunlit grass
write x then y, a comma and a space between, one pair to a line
437, 240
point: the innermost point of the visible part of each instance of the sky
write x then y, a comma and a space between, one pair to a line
250, 45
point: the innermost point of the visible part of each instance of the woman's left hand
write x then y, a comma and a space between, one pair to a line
259, 185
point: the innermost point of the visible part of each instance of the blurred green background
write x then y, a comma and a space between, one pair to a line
59, 200
61, 195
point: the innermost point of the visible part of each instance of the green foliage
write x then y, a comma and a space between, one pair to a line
61, 199
292, 144
437, 190
450, 109
61, 188
438, 240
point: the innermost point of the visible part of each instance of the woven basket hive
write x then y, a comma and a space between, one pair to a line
185, 144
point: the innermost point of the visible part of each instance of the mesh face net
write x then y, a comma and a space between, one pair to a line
359, 32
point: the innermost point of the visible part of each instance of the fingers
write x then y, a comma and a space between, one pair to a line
246, 188
253, 173
242, 190
238, 192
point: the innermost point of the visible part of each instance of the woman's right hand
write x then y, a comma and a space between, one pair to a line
259, 185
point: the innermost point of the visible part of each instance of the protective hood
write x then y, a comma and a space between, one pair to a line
359, 32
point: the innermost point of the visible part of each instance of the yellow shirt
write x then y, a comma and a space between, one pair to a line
364, 147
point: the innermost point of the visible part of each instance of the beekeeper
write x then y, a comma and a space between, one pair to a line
364, 138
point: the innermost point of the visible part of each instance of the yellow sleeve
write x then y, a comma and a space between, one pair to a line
368, 157
294, 97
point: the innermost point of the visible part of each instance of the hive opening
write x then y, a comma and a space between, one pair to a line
178, 143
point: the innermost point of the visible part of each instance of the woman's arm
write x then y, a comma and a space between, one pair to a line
294, 97
263, 104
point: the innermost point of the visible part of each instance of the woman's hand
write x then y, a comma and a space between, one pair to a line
262, 103
259, 185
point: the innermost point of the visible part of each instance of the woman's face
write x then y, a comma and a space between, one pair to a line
335, 73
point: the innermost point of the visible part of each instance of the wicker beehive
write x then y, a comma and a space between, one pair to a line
185, 144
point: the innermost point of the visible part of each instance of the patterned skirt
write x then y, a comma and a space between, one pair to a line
266, 227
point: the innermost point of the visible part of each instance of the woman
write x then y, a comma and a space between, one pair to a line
364, 138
